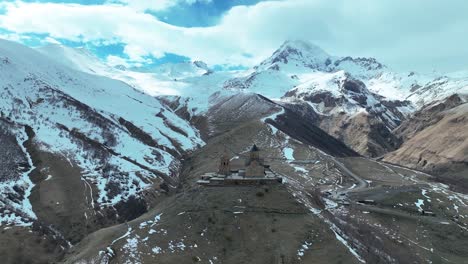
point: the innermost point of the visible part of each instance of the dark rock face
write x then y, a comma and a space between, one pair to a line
131, 209
12, 159
326, 97
367, 63
238, 83
304, 110
385, 139
304, 131
275, 67
282, 56
353, 85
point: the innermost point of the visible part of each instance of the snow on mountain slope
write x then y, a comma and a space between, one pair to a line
304, 73
294, 62
298, 62
190, 84
79, 59
439, 89
297, 55
122, 138
270, 83
181, 70
82, 60
359, 100
333, 93
14, 172
346, 109
420, 89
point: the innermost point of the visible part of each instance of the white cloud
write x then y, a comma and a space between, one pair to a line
115, 60
155, 5
14, 37
407, 34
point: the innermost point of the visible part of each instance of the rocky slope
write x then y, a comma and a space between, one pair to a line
335, 89
75, 160
347, 110
436, 140
314, 216
357, 100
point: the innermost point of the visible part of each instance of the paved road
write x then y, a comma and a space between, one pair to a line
361, 184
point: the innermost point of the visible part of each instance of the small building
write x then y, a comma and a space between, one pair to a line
255, 172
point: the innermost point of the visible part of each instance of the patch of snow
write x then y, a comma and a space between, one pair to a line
288, 153
23, 206
329, 204
300, 169
418, 204
274, 116
303, 248
156, 250
424, 193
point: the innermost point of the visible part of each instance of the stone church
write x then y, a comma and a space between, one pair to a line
255, 166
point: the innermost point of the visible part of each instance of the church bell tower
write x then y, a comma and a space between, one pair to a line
225, 165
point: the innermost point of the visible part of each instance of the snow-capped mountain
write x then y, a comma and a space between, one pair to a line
293, 56
293, 63
339, 92
340, 89
439, 89
298, 62
336, 89
95, 170
181, 70
190, 85
420, 89
78, 117
346, 109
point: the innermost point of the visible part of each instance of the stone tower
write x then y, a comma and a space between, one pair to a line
254, 164
254, 155
225, 164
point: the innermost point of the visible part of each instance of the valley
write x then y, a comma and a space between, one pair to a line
100, 164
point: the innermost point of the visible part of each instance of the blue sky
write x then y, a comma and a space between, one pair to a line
406, 35
187, 14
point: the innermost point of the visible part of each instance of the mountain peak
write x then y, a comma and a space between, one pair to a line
304, 46
297, 53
